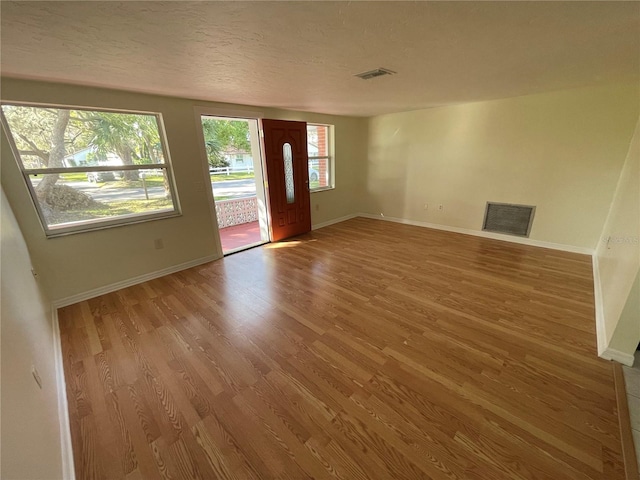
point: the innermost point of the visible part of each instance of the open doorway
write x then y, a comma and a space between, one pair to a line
235, 170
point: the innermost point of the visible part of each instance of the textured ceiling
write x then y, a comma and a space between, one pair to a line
303, 55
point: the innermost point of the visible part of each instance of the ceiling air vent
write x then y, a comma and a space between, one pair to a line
378, 72
508, 218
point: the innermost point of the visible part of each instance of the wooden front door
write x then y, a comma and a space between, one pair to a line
285, 145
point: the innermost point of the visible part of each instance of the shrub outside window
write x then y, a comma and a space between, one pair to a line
89, 169
319, 146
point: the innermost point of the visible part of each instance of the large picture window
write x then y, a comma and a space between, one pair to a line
319, 145
88, 169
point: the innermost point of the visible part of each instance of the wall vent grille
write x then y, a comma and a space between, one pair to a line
508, 218
378, 72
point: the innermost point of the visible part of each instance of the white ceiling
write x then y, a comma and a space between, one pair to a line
303, 55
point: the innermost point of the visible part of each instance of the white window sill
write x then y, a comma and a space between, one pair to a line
102, 224
323, 189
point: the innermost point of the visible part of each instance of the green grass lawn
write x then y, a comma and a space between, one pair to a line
151, 181
127, 207
113, 209
155, 181
74, 177
232, 176
158, 181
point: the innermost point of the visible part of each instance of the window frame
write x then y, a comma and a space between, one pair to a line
98, 223
330, 158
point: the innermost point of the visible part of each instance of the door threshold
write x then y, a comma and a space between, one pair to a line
244, 247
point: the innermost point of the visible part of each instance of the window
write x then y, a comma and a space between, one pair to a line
287, 158
319, 146
88, 169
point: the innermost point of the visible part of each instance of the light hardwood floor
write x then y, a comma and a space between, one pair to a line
362, 350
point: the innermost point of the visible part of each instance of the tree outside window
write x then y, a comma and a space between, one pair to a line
90, 168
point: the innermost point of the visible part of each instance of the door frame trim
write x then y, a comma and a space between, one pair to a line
199, 111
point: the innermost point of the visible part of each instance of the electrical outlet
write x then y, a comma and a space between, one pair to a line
426, 206
36, 376
158, 244
317, 207
441, 207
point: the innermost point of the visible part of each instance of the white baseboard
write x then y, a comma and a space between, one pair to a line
601, 330
479, 233
604, 351
80, 297
331, 222
617, 356
66, 446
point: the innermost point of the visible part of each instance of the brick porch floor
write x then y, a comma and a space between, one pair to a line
239, 236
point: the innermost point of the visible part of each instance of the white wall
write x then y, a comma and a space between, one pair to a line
75, 264
30, 421
618, 259
561, 151
626, 335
